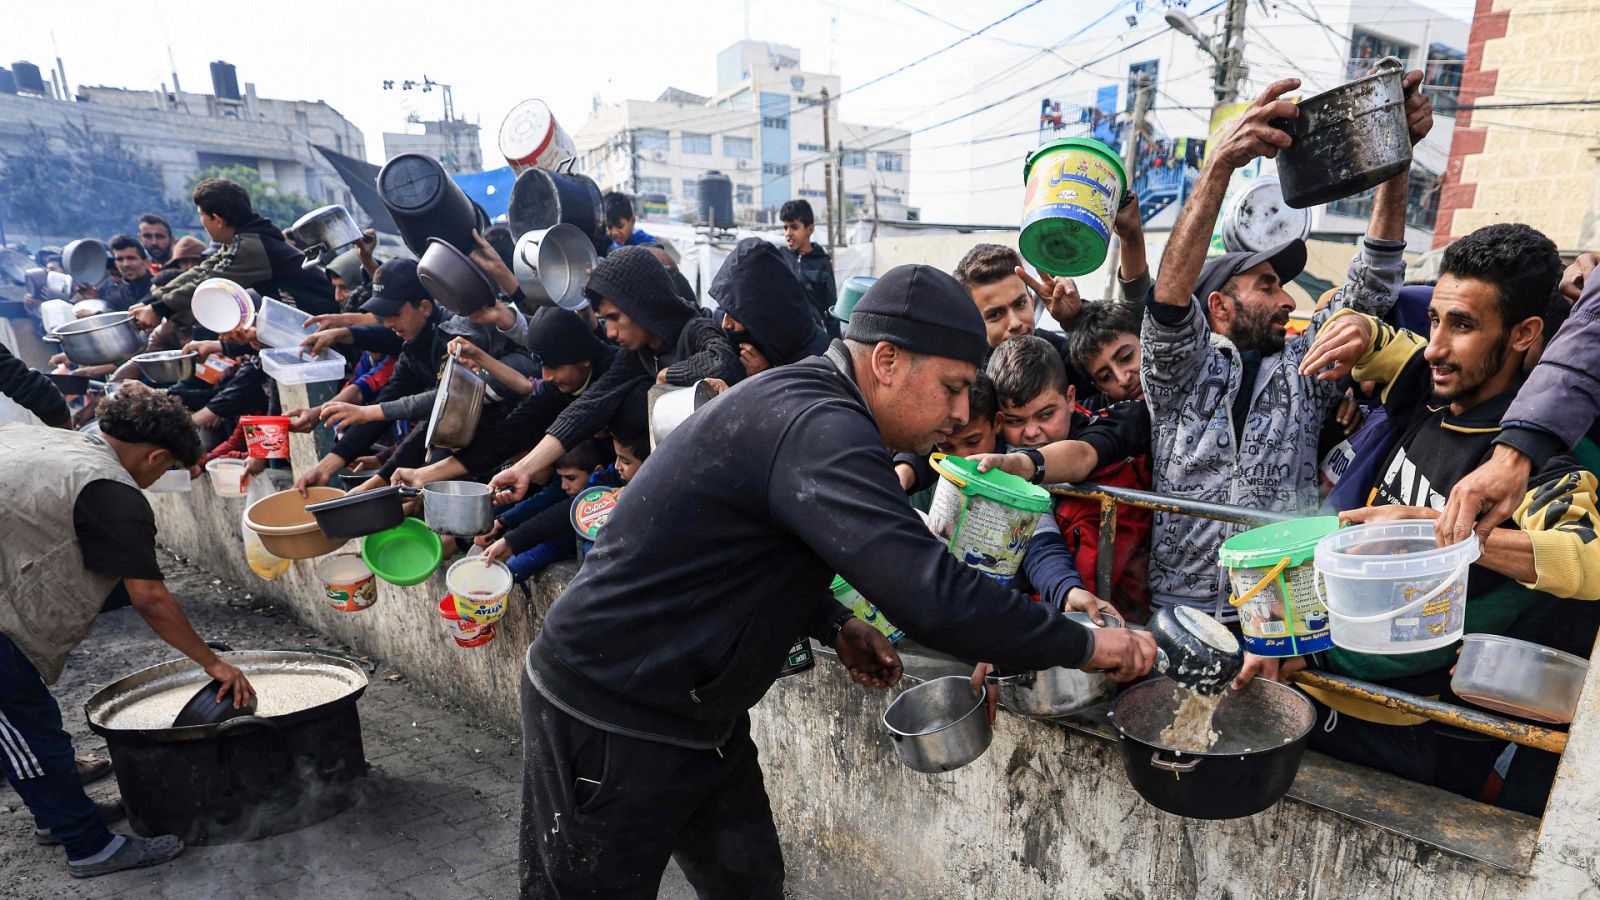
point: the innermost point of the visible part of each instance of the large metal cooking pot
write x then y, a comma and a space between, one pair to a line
244, 778
1056, 691
166, 366
462, 508
324, 232
1346, 140
1262, 736
110, 337
939, 725
541, 198
85, 260
668, 407
456, 406
566, 257
525, 265
453, 279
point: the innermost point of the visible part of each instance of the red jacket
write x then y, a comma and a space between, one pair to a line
1080, 526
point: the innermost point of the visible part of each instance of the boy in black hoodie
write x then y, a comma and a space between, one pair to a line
765, 312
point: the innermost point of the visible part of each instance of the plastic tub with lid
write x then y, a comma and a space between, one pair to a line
984, 518
291, 365
1390, 589
1519, 678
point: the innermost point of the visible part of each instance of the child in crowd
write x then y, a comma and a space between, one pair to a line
1104, 345
537, 532
978, 436
1036, 407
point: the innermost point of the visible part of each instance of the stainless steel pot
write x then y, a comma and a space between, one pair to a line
324, 232
1056, 691
97, 340
85, 260
668, 407
566, 257
44, 284
456, 406
1347, 139
525, 265
453, 279
939, 725
166, 366
460, 508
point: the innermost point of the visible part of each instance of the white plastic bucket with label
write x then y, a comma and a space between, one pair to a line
1390, 589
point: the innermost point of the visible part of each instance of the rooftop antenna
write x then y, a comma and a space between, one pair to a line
177, 89
833, 45
61, 70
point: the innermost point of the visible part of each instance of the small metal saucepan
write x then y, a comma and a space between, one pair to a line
939, 725
110, 337
358, 515
461, 508
1056, 691
325, 232
1195, 650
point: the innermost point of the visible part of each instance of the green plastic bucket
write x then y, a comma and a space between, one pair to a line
851, 599
985, 519
1074, 188
850, 293
405, 554
1274, 586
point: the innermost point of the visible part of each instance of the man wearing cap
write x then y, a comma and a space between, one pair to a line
186, 253
1233, 421
719, 555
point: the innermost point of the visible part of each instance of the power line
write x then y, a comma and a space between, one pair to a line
958, 42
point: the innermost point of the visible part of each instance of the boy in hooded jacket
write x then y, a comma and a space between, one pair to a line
765, 310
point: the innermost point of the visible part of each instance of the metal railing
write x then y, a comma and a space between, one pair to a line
1110, 498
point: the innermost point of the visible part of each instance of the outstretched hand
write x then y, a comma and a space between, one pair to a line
1254, 135
1338, 347
868, 655
1059, 295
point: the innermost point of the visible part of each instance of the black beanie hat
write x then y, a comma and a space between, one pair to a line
560, 337
924, 310
638, 284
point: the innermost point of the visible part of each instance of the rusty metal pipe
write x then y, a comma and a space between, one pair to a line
1100, 493
1106, 558
1444, 713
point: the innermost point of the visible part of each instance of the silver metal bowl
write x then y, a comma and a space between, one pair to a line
166, 366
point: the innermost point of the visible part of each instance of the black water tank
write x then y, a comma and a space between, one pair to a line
224, 81
8, 82
28, 78
716, 200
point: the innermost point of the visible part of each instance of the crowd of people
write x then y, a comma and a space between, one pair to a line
1467, 400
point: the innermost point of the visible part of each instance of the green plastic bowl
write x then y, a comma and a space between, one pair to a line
405, 554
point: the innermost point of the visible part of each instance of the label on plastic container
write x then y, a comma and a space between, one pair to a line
1275, 626
1437, 617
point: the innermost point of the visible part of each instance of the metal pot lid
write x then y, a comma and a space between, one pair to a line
341, 677
1259, 219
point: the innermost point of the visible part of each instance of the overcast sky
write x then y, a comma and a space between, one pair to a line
497, 53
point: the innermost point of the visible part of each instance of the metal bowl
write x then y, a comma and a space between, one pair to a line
566, 257
453, 279
939, 725
456, 407
166, 366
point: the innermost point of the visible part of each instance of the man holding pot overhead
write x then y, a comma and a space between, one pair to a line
636, 693
76, 536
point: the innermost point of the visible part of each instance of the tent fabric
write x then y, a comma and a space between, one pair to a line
490, 190
362, 179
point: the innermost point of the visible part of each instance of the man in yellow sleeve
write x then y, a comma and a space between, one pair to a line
1445, 395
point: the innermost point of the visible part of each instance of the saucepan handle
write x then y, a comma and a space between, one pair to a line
407, 491
1172, 765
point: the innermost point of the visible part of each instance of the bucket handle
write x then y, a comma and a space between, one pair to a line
1272, 573
1176, 766
953, 476
1455, 576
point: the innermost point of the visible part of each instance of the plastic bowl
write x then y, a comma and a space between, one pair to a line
286, 529
222, 305
227, 476
405, 554
1519, 678
1390, 589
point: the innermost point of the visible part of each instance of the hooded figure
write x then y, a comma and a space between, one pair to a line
691, 347
758, 290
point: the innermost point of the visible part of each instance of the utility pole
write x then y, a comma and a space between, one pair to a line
1230, 69
633, 164
874, 211
1130, 164
827, 168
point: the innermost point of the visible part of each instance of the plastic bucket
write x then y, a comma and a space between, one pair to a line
228, 477
1074, 188
985, 519
348, 581
1389, 589
267, 437
851, 599
1275, 586
480, 587
466, 634
530, 136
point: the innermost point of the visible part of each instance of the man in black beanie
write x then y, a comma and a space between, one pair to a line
765, 310
720, 553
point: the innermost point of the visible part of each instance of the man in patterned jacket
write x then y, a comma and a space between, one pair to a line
1233, 420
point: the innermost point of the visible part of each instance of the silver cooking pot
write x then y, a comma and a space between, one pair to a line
110, 337
1056, 691
939, 725
456, 406
325, 232
1347, 139
668, 407
460, 508
85, 260
525, 265
566, 257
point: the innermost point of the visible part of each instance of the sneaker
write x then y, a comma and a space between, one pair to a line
109, 813
135, 853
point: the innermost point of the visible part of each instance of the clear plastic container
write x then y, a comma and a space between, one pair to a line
292, 366
280, 325
1519, 678
228, 478
171, 481
1390, 589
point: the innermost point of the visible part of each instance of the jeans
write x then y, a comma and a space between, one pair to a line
37, 757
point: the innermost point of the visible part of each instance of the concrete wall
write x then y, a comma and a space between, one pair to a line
1047, 811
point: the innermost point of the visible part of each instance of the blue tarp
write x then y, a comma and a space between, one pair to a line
490, 190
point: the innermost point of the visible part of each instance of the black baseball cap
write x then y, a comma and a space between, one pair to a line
1288, 260
395, 285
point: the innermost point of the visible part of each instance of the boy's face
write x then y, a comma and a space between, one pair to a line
410, 320
567, 378
1007, 309
625, 332
1114, 368
977, 436
627, 464
621, 231
797, 235
1045, 419
572, 480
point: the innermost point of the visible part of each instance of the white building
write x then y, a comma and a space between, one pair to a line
453, 143
763, 128
972, 172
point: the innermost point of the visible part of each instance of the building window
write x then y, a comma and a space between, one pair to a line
856, 199
1422, 200
698, 144
744, 194
810, 148
1367, 48
650, 185
855, 159
738, 147
776, 169
780, 123
809, 101
691, 190
1442, 77
1148, 69
891, 162
651, 139
812, 192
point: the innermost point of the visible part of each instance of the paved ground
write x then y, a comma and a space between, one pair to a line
437, 819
